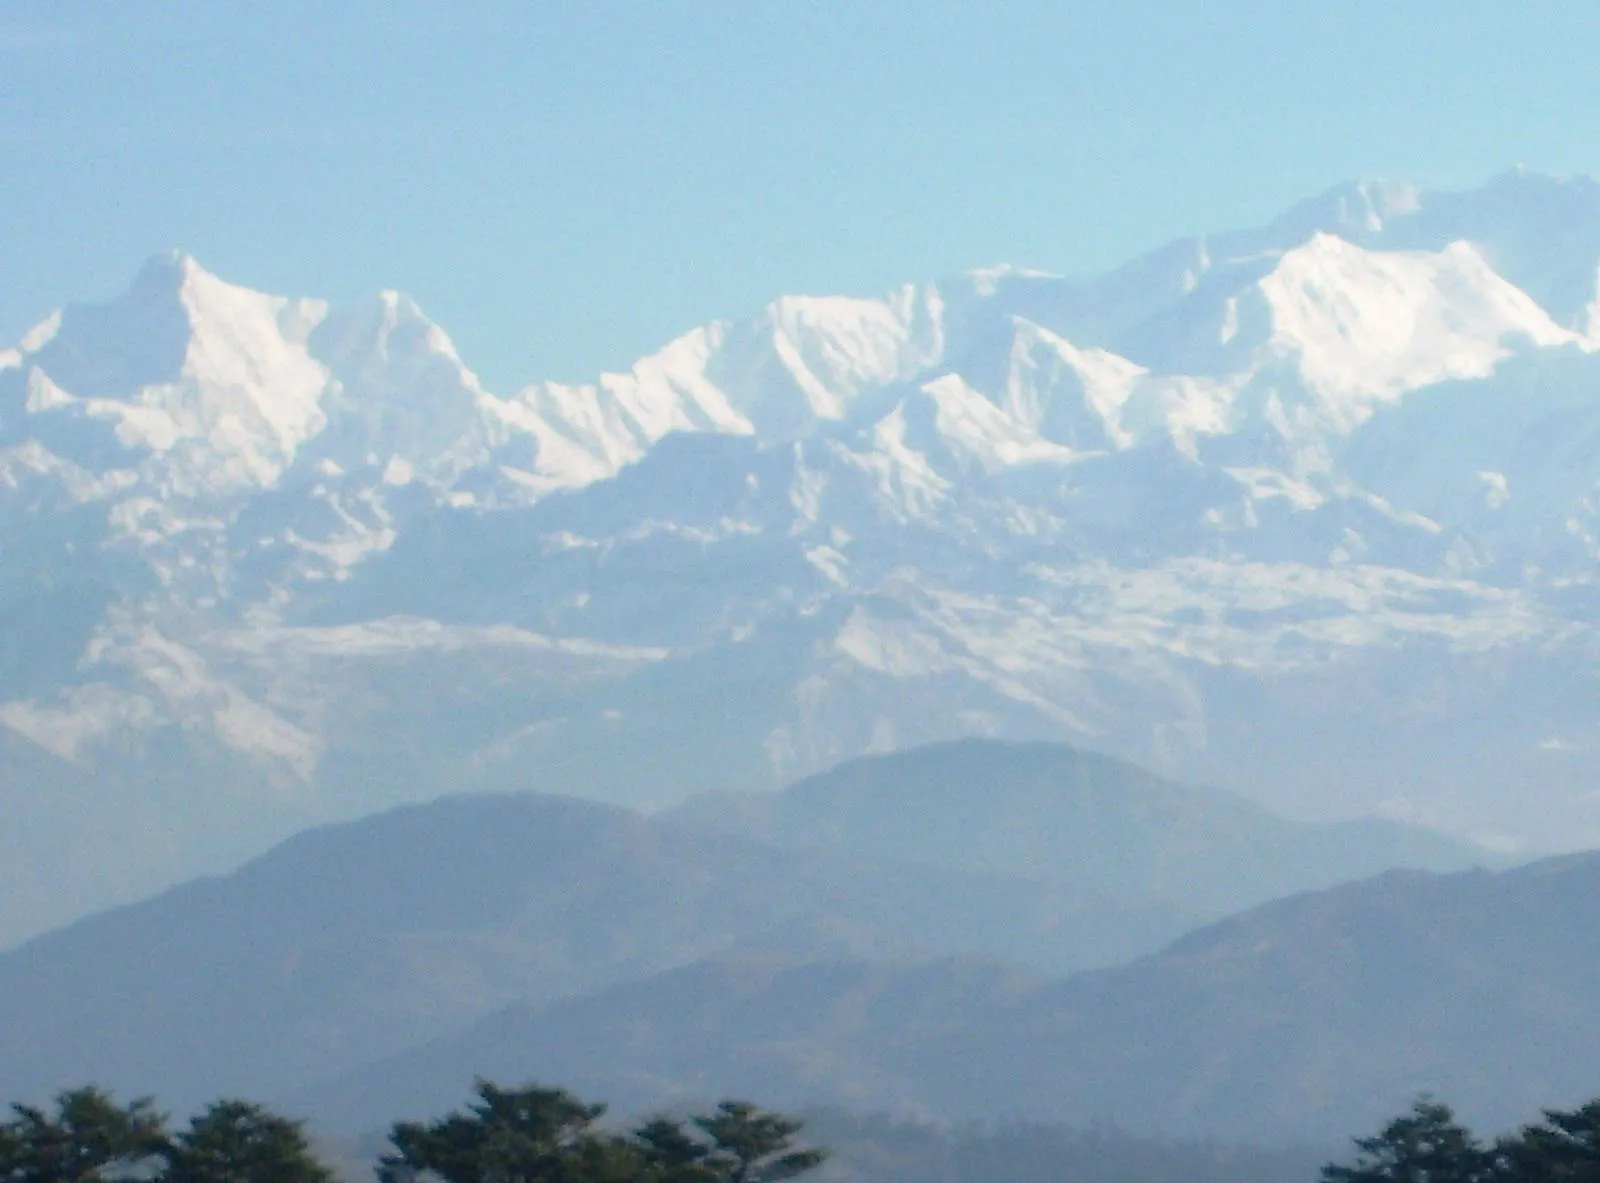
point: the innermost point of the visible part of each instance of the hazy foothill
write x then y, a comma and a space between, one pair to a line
1139, 724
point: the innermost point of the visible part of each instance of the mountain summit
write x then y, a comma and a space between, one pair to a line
1294, 509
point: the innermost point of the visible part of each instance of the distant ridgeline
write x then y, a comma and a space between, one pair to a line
978, 931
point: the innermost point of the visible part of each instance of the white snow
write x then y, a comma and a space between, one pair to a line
1073, 396
399, 472
1364, 327
88, 715
244, 398
906, 481
587, 433
32, 341
804, 362
983, 432
834, 348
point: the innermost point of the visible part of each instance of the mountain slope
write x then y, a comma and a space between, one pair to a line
352, 942
1329, 1011
1298, 1021
1058, 815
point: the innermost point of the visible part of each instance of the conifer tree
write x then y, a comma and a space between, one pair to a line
1426, 1145
755, 1146
673, 1155
524, 1135
1563, 1148
89, 1138
237, 1142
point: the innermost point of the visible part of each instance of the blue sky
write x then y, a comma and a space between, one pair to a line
566, 185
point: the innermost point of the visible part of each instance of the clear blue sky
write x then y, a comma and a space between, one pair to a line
566, 185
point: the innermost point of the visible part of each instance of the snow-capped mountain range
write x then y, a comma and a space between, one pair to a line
1311, 510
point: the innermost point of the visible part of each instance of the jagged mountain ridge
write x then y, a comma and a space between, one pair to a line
1287, 509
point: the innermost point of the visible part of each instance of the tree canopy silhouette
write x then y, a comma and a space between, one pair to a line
88, 1136
1563, 1148
534, 1134
751, 1145
1426, 1145
238, 1142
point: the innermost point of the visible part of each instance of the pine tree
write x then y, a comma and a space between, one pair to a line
237, 1142
526, 1135
1426, 1145
673, 1155
1563, 1148
88, 1139
755, 1146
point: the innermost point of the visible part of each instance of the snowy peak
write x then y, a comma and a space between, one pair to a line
399, 392
1309, 340
1346, 303
207, 388
582, 434
209, 385
804, 362
1364, 327
1303, 343
111, 350
808, 359
234, 336
1301, 329
1541, 233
